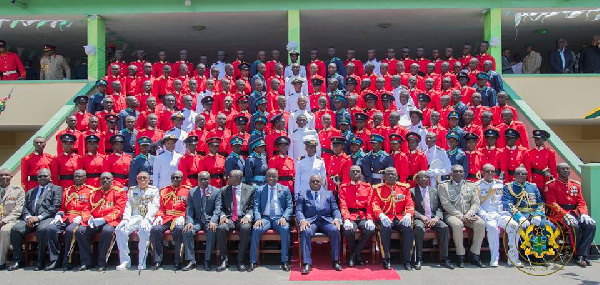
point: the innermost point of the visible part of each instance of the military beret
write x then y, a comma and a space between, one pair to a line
213, 140
317, 80
351, 80
261, 100
387, 96
482, 75
298, 80
453, 114
541, 134
338, 140
276, 119
110, 117
256, 142
339, 97
235, 140
361, 116
81, 99
169, 137
356, 140
310, 140
453, 135
377, 138
511, 133
92, 138
424, 97
191, 139
463, 75
396, 138
282, 140
243, 66
241, 119
207, 100
243, 98
370, 96
144, 141
101, 82
471, 136
260, 119
117, 138
491, 133
68, 138
177, 115
413, 135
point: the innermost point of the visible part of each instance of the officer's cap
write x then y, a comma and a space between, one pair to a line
282, 140
117, 138
453, 114
396, 138
377, 138
338, 140
491, 133
424, 97
511, 133
235, 140
92, 138
414, 136
81, 99
207, 100
310, 140
191, 139
471, 136
144, 141
241, 119
213, 140
68, 138
361, 116
453, 135
356, 140
541, 134
256, 142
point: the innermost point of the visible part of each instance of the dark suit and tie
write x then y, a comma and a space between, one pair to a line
42, 202
561, 60
319, 209
236, 205
202, 208
428, 207
271, 203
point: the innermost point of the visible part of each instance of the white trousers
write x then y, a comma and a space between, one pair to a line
122, 237
510, 226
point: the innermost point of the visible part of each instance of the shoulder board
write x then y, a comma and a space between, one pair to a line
477, 182
549, 182
118, 189
377, 185
187, 186
575, 181
404, 185
302, 157
295, 131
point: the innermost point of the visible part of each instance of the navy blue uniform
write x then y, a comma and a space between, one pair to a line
457, 156
255, 169
138, 164
373, 165
234, 162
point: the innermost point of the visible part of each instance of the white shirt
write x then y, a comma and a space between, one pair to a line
289, 86
396, 94
267, 212
422, 132
437, 153
288, 71
404, 111
221, 66
297, 148
181, 135
138, 198
376, 63
190, 119
491, 207
292, 101
292, 125
238, 197
305, 168
164, 165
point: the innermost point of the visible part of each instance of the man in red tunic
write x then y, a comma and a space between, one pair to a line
92, 161
117, 163
338, 164
283, 163
542, 160
11, 66
33, 162
189, 164
508, 122
79, 145
490, 154
512, 156
65, 164
157, 67
214, 163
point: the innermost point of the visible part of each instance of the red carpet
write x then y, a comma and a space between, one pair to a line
323, 271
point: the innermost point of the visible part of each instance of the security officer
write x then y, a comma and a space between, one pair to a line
241, 122
309, 165
341, 112
117, 163
189, 163
65, 164
542, 160
392, 204
356, 150
361, 130
455, 154
512, 156
354, 197
441, 169
171, 216
453, 121
473, 157
52, 65
524, 201
297, 138
12, 199
261, 111
376, 161
339, 164
143, 202
260, 122
490, 153
92, 161
165, 163
143, 162
214, 163
235, 160
33, 162
417, 160
255, 167
283, 163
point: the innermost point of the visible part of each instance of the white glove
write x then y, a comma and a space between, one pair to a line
348, 225
587, 219
57, 218
179, 221
524, 222
99, 221
570, 220
385, 221
91, 222
158, 221
537, 220
369, 225
145, 225
121, 225
77, 220
406, 220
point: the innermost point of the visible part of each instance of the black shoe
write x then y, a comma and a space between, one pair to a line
285, 267
461, 261
252, 267
102, 268
51, 267
587, 262
156, 266
475, 260
177, 266
190, 266
387, 265
337, 266
224, 265
581, 261
359, 261
83, 268
350, 261
446, 263
242, 267
68, 266
2, 266
16, 266
39, 266
207, 265
418, 263
306, 269
408, 266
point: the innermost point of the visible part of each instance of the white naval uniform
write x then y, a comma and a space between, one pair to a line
289, 73
181, 135
419, 129
189, 121
164, 165
292, 126
201, 95
297, 148
492, 212
292, 101
141, 205
437, 153
305, 168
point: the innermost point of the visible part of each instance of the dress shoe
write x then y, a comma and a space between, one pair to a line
252, 267
123, 266
242, 267
337, 266
581, 261
39, 266
156, 266
587, 262
446, 263
418, 264
16, 266
387, 265
350, 261
359, 261
475, 260
2, 266
285, 267
408, 266
306, 269
207, 266
51, 267
177, 266
190, 266
102, 268
68, 266
82, 268
223, 266
461, 261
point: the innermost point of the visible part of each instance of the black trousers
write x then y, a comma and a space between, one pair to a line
156, 238
190, 244
584, 236
407, 238
84, 236
18, 233
365, 236
441, 228
244, 232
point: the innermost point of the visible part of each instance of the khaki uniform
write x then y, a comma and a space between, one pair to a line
12, 200
459, 200
52, 68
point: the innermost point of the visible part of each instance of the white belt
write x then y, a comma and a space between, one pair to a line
9, 72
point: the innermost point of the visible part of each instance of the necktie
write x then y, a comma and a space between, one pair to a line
272, 206
35, 202
317, 200
427, 203
203, 199
234, 210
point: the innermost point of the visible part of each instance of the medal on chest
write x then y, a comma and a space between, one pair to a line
573, 191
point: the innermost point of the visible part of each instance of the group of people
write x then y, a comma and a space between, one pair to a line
406, 144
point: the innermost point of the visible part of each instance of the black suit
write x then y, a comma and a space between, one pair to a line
246, 204
436, 212
556, 62
201, 208
45, 208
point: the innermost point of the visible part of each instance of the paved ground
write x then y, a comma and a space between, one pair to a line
270, 274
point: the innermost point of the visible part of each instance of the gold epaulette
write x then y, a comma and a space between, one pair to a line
575, 181
549, 181
377, 185
118, 189
93, 190
403, 184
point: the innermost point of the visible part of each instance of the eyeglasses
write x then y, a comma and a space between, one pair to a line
315, 181
488, 171
142, 178
521, 173
177, 177
203, 179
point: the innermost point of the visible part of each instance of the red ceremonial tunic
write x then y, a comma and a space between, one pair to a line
354, 200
